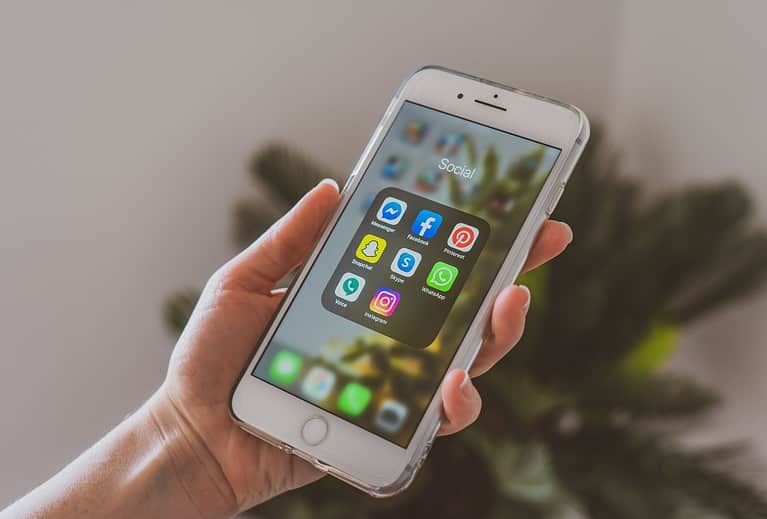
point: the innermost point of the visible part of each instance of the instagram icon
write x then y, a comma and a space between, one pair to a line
384, 301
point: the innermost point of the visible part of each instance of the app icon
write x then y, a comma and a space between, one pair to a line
350, 287
414, 132
354, 398
442, 276
384, 301
371, 248
463, 237
391, 415
428, 181
405, 262
449, 144
394, 168
318, 383
426, 224
285, 367
391, 210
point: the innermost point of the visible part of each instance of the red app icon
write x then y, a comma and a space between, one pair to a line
463, 237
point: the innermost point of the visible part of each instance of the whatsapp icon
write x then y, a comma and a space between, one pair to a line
442, 276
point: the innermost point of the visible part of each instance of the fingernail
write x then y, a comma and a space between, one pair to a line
330, 182
466, 390
526, 305
569, 232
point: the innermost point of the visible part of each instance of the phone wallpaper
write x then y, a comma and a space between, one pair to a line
394, 289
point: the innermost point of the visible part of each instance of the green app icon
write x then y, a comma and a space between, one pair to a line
285, 367
354, 399
442, 276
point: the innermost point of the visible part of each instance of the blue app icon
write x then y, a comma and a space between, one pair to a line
405, 262
426, 224
391, 210
394, 168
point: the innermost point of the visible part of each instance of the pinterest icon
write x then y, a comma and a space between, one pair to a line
463, 237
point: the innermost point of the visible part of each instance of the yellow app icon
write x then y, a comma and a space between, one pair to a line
371, 248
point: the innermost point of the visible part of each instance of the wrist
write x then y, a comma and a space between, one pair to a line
195, 470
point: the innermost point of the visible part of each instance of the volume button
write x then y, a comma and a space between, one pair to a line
555, 200
348, 182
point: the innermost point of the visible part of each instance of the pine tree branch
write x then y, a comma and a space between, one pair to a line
286, 172
178, 308
251, 219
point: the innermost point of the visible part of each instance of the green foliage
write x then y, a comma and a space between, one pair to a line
583, 415
652, 352
284, 176
178, 308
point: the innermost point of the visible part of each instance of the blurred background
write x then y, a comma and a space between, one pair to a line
126, 135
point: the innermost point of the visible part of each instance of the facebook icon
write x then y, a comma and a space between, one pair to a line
426, 224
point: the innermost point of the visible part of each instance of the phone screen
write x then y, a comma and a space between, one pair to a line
384, 308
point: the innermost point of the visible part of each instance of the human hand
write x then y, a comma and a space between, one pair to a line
233, 310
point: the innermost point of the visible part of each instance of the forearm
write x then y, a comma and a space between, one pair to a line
151, 465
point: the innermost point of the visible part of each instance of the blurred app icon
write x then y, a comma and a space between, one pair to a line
354, 399
426, 224
405, 262
285, 367
394, 168
414, 132
385, 301
350, 287
318, 383
468, 188
391, 210
391, 415
449, 144
428, 181
371, 248
442, 276
463, 237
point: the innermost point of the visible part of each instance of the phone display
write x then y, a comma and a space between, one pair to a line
423, 274
385, 306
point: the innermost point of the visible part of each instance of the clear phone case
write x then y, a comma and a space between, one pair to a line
545, 204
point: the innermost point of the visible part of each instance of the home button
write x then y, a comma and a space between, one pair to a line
314, 430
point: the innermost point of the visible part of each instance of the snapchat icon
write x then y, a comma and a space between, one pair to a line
371, 248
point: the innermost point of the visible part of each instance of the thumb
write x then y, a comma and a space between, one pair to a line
285, 244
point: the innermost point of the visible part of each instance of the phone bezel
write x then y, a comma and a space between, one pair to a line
349, 452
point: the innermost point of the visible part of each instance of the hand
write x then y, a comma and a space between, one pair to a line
232, 312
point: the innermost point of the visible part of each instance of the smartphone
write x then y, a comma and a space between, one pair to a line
437, 216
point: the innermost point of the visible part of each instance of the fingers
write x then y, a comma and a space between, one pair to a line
552, 239
461, 402
507, 322
285, 244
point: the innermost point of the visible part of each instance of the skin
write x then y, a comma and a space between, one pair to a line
179, 454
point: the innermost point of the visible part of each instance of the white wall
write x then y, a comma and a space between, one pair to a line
124, 131
689, 103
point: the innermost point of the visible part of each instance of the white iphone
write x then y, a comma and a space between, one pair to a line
437, 216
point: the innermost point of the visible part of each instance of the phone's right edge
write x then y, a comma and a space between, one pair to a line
508, 273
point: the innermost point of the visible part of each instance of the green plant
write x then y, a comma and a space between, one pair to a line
582, 416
